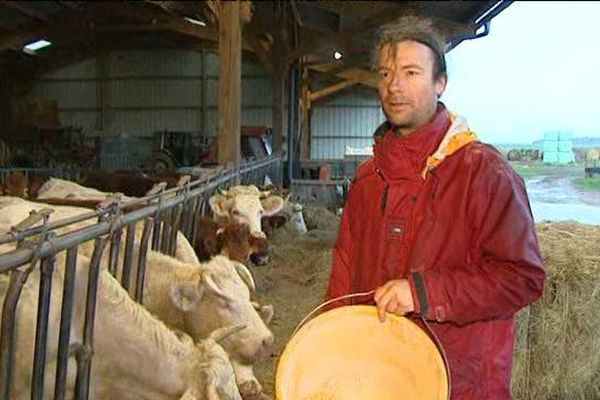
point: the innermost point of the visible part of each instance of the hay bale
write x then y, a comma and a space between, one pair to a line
557, 354
320, 218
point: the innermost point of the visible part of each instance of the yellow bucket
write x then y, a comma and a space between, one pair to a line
348, 354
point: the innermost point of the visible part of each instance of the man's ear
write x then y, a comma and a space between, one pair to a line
440, 85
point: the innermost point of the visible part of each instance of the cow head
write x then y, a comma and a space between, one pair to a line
217, 377
237, 243
221, 297
16, 185
290, 215
245, 204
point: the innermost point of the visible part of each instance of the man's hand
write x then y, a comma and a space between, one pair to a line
395, 297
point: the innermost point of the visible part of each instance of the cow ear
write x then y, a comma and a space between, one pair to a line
272, 205
211, 392
220, 205
185, 296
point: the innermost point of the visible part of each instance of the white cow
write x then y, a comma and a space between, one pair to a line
15, 209
135, 356
56, 188
231, 279
197, 300
245, 204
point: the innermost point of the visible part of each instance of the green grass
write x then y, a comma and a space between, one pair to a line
589, 184
532, 170
537, 168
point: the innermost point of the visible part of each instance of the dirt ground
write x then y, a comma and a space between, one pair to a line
555, 196
294, 281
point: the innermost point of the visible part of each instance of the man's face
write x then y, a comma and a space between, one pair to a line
407, 89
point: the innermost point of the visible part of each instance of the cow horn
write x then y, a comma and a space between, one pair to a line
213, 288
246, 275
221, 333
223, 192
265, 194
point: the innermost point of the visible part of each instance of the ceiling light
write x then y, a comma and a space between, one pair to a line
33, 46
337, 55
195, 21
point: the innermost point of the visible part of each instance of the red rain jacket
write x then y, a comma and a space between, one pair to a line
463, 236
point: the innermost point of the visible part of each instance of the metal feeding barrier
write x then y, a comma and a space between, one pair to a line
163, 211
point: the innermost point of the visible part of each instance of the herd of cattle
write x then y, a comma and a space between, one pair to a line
199, 331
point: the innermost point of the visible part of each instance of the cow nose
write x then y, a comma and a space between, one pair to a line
268, 341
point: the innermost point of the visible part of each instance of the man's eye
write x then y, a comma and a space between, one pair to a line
412, 73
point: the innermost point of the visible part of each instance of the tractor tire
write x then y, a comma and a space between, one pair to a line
160, 162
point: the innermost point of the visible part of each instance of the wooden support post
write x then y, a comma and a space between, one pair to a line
305, 111
102, 95
230, 82
204, 125
280, 71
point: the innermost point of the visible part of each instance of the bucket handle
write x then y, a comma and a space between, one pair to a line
319, 307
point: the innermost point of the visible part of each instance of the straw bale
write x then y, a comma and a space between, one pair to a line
557, 353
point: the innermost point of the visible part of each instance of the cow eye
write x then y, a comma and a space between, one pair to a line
261, 212
236, 212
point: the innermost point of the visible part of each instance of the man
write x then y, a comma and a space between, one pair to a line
437, 222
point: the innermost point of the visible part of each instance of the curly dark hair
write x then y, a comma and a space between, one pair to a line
415, 29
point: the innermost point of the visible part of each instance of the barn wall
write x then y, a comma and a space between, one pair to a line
135, 93
347, 120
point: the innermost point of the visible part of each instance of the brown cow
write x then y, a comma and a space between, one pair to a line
19, 185
234, 240
129, 183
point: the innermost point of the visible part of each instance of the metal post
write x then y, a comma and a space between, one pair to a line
84, 358
139, 287
9, 308
41, 332
166, 231
115, 245
176, 222
190, 218
291, 118
66, 314
128, 259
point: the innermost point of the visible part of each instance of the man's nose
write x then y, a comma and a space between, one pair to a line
396, 84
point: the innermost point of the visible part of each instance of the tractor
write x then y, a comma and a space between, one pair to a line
173, 149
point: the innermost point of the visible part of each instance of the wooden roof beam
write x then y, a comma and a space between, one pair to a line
362, 76
329, 90
71, 5
25, 9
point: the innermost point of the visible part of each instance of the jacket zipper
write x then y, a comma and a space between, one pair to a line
384, 194
384, 197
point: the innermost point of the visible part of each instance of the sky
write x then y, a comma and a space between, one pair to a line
538, 70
